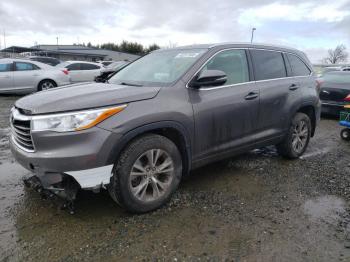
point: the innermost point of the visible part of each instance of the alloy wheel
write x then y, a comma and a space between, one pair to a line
300, 136
151, 175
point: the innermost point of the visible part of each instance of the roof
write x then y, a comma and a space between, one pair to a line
235, 44
19, 49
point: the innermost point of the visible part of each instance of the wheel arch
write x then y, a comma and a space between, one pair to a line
310, 111
172, 130
46, 79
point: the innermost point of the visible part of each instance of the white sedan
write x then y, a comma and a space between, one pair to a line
20, 76
81, 71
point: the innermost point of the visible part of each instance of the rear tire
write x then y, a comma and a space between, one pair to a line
298, 137
46, 85
146, 174
345, 134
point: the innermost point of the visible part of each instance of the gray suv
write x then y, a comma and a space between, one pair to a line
163, 115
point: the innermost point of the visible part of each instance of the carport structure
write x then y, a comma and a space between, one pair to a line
16, 51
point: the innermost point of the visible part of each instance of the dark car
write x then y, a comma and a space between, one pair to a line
335, 87
46, 60
163, 115
109, 70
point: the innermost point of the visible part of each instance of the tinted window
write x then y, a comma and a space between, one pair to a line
298, 66
5, 67
89, 67
21, 66
268, 64
73, 67
233, 63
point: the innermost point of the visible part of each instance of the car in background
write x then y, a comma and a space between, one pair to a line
81, 71
109, 70
19, 76
335, 87
46, 60
105, 63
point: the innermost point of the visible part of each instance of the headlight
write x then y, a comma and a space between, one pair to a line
74, 121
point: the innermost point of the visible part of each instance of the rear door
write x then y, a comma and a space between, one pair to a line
6, 75
278, 91
225, 116
90, 71
25, 75
75, 72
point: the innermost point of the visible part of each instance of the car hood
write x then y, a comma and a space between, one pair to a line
83, 96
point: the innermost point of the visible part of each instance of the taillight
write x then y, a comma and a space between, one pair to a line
318, 85
65, 71
347, 98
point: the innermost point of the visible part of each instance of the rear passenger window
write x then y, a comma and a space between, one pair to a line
74, 67
89, 67
233, 63
21, 66
298, 66
268, 64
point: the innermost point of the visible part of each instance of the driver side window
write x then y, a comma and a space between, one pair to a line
233, 63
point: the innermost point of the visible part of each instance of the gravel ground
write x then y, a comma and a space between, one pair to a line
255, 207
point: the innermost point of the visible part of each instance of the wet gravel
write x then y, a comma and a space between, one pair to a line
255, 207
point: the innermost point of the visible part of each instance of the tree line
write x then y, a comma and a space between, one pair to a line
126, 47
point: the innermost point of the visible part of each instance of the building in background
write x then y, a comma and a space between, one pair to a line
68, 52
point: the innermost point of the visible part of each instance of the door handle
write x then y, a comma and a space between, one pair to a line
293, 87
5, 77
251, 96
35, 75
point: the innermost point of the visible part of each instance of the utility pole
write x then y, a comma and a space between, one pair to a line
57, 42
4, 39
251, 40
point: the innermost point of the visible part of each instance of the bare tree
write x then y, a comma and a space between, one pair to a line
337, 55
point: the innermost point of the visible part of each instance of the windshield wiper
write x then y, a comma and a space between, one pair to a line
129, 84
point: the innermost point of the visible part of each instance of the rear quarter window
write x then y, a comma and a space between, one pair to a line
298, 66
268, 64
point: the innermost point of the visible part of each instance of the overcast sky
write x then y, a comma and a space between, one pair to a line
313, 26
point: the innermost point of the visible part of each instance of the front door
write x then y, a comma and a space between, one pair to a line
225, 116
6, 76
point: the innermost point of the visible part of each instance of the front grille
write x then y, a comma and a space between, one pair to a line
21, 133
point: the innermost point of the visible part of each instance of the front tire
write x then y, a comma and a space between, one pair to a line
298, 137
146, 174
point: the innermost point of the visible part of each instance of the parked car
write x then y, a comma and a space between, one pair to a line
81, 71
163, 115
19, 76
109, 70
105, 63
335, 87
46, 60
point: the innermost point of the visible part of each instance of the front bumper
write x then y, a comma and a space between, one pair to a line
82, 155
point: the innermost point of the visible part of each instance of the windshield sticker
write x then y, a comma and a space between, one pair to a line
186, 55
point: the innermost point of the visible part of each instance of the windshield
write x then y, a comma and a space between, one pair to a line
116, 64
337, 78
160, 68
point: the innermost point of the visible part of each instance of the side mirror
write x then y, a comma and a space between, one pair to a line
209, 78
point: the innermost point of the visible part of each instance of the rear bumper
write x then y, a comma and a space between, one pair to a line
332, 108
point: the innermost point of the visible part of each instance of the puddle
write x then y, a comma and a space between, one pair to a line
11, 189
325, 209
